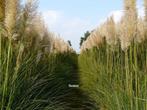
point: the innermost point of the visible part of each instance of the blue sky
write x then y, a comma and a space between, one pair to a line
71, 18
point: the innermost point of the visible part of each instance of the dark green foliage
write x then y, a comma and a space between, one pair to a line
86, 35
69, 42
39, 85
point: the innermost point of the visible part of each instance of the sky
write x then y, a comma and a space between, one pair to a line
72, 18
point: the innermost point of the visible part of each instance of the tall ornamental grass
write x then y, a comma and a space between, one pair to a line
28, 84
36, 67
113, 67
115, 79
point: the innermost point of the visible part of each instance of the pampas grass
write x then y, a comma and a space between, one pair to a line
94, 40
124, 31
2, 10
36, 66
145, 8
59, 45
113, 72
110, 31
10, 14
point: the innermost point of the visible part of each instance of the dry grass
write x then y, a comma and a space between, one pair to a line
110, 31
141, 30
129, 21
115, 75
27, 28
59, 45
10, 14
93, 40
28, 61
129, 29
145, 7
2, 10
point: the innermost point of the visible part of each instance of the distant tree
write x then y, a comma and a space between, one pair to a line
86, 35
69, 42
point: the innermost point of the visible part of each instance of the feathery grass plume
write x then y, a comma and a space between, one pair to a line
129, 21
59, 45
30, 27
141, 30
10, 14
110, 31
107, 69
89, 42
28, 85
47, 41
52, 43
123, 35
30, 11
98, 39
9, 23
130, 9
84, 46
35, 33
103, 29
2, 10
26, 17
145, 8
39, 25
92, 41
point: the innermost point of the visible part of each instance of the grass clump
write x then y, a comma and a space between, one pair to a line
113, 67
115, 79
35, 70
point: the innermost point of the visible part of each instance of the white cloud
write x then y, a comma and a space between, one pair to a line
70, 28
51, 17
119, 13
141, 12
